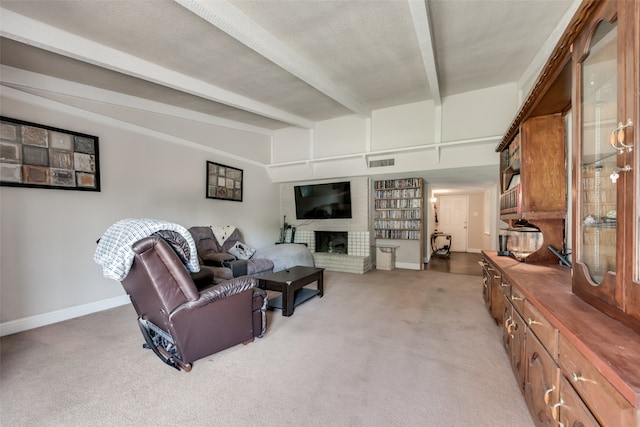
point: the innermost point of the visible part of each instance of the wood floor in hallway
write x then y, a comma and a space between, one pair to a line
458, 263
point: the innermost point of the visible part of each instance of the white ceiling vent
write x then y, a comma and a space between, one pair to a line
382, 162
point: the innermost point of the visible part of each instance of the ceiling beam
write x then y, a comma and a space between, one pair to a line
235, 23
422, 26
34, 33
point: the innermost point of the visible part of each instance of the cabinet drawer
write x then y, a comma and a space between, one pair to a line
546, 333
497, 300
486, 291
571, 411
517, 299
606, 404
506, 288
507, 316
541, 383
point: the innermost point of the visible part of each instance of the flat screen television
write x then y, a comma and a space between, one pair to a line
323, 201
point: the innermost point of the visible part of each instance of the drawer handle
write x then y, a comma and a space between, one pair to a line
555, 412
575, 377
533, 322
507, 323
504, 285
517, 299
482, 263
547, 395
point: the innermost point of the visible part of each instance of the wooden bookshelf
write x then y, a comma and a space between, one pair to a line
398, 210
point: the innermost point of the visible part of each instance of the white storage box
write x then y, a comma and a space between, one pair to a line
385, 257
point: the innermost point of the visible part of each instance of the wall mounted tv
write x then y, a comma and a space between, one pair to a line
323, 201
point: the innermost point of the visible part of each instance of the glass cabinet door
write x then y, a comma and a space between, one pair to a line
598, 159
606, 211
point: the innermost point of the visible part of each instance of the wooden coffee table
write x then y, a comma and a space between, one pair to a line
291, 284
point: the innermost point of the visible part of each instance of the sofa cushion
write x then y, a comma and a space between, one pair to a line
255, 266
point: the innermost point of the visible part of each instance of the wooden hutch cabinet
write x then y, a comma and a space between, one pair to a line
605, 162
526, 193
573, 333
534, 180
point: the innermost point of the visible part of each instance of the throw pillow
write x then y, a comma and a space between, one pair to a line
242, 251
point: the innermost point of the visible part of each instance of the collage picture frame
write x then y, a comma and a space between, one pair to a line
40, 156
224, 182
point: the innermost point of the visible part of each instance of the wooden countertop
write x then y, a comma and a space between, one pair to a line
613, 348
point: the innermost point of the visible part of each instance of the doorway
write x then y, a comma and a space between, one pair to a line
453, 214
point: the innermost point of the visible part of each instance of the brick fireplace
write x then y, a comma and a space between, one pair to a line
336, 242
350, 250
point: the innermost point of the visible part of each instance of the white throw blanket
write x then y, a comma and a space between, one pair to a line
223, 232
114, 252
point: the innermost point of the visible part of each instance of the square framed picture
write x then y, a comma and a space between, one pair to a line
224, 182
39, 156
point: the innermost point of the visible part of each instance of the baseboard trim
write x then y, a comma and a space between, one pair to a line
408, 265
26, 323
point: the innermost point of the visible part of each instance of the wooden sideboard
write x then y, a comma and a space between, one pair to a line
574, 364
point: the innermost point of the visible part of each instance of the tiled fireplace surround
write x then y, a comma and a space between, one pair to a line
356, 260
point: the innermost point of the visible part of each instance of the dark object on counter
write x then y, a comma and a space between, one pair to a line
502, 245
563, 257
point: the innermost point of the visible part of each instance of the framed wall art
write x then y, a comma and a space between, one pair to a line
39, 156
224, 182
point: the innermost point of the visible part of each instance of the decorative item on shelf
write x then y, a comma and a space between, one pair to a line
284, 231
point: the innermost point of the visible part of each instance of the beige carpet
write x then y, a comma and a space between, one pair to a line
388, 348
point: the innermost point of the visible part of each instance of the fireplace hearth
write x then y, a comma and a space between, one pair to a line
332, 242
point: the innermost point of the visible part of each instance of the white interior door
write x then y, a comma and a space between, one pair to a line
453, 214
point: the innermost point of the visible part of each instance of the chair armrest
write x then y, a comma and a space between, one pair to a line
224, 290
217, 258
203, 278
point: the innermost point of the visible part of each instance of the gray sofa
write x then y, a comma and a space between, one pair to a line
218, 258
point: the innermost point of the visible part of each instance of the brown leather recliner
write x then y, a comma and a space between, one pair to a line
181, 323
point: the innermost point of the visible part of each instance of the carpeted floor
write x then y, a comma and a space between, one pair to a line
387, 348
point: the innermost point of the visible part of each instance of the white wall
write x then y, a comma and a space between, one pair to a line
479, 113
344, 135
403, 126
471, 126
48, 237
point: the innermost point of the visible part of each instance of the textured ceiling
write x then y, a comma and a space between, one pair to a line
277, 63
